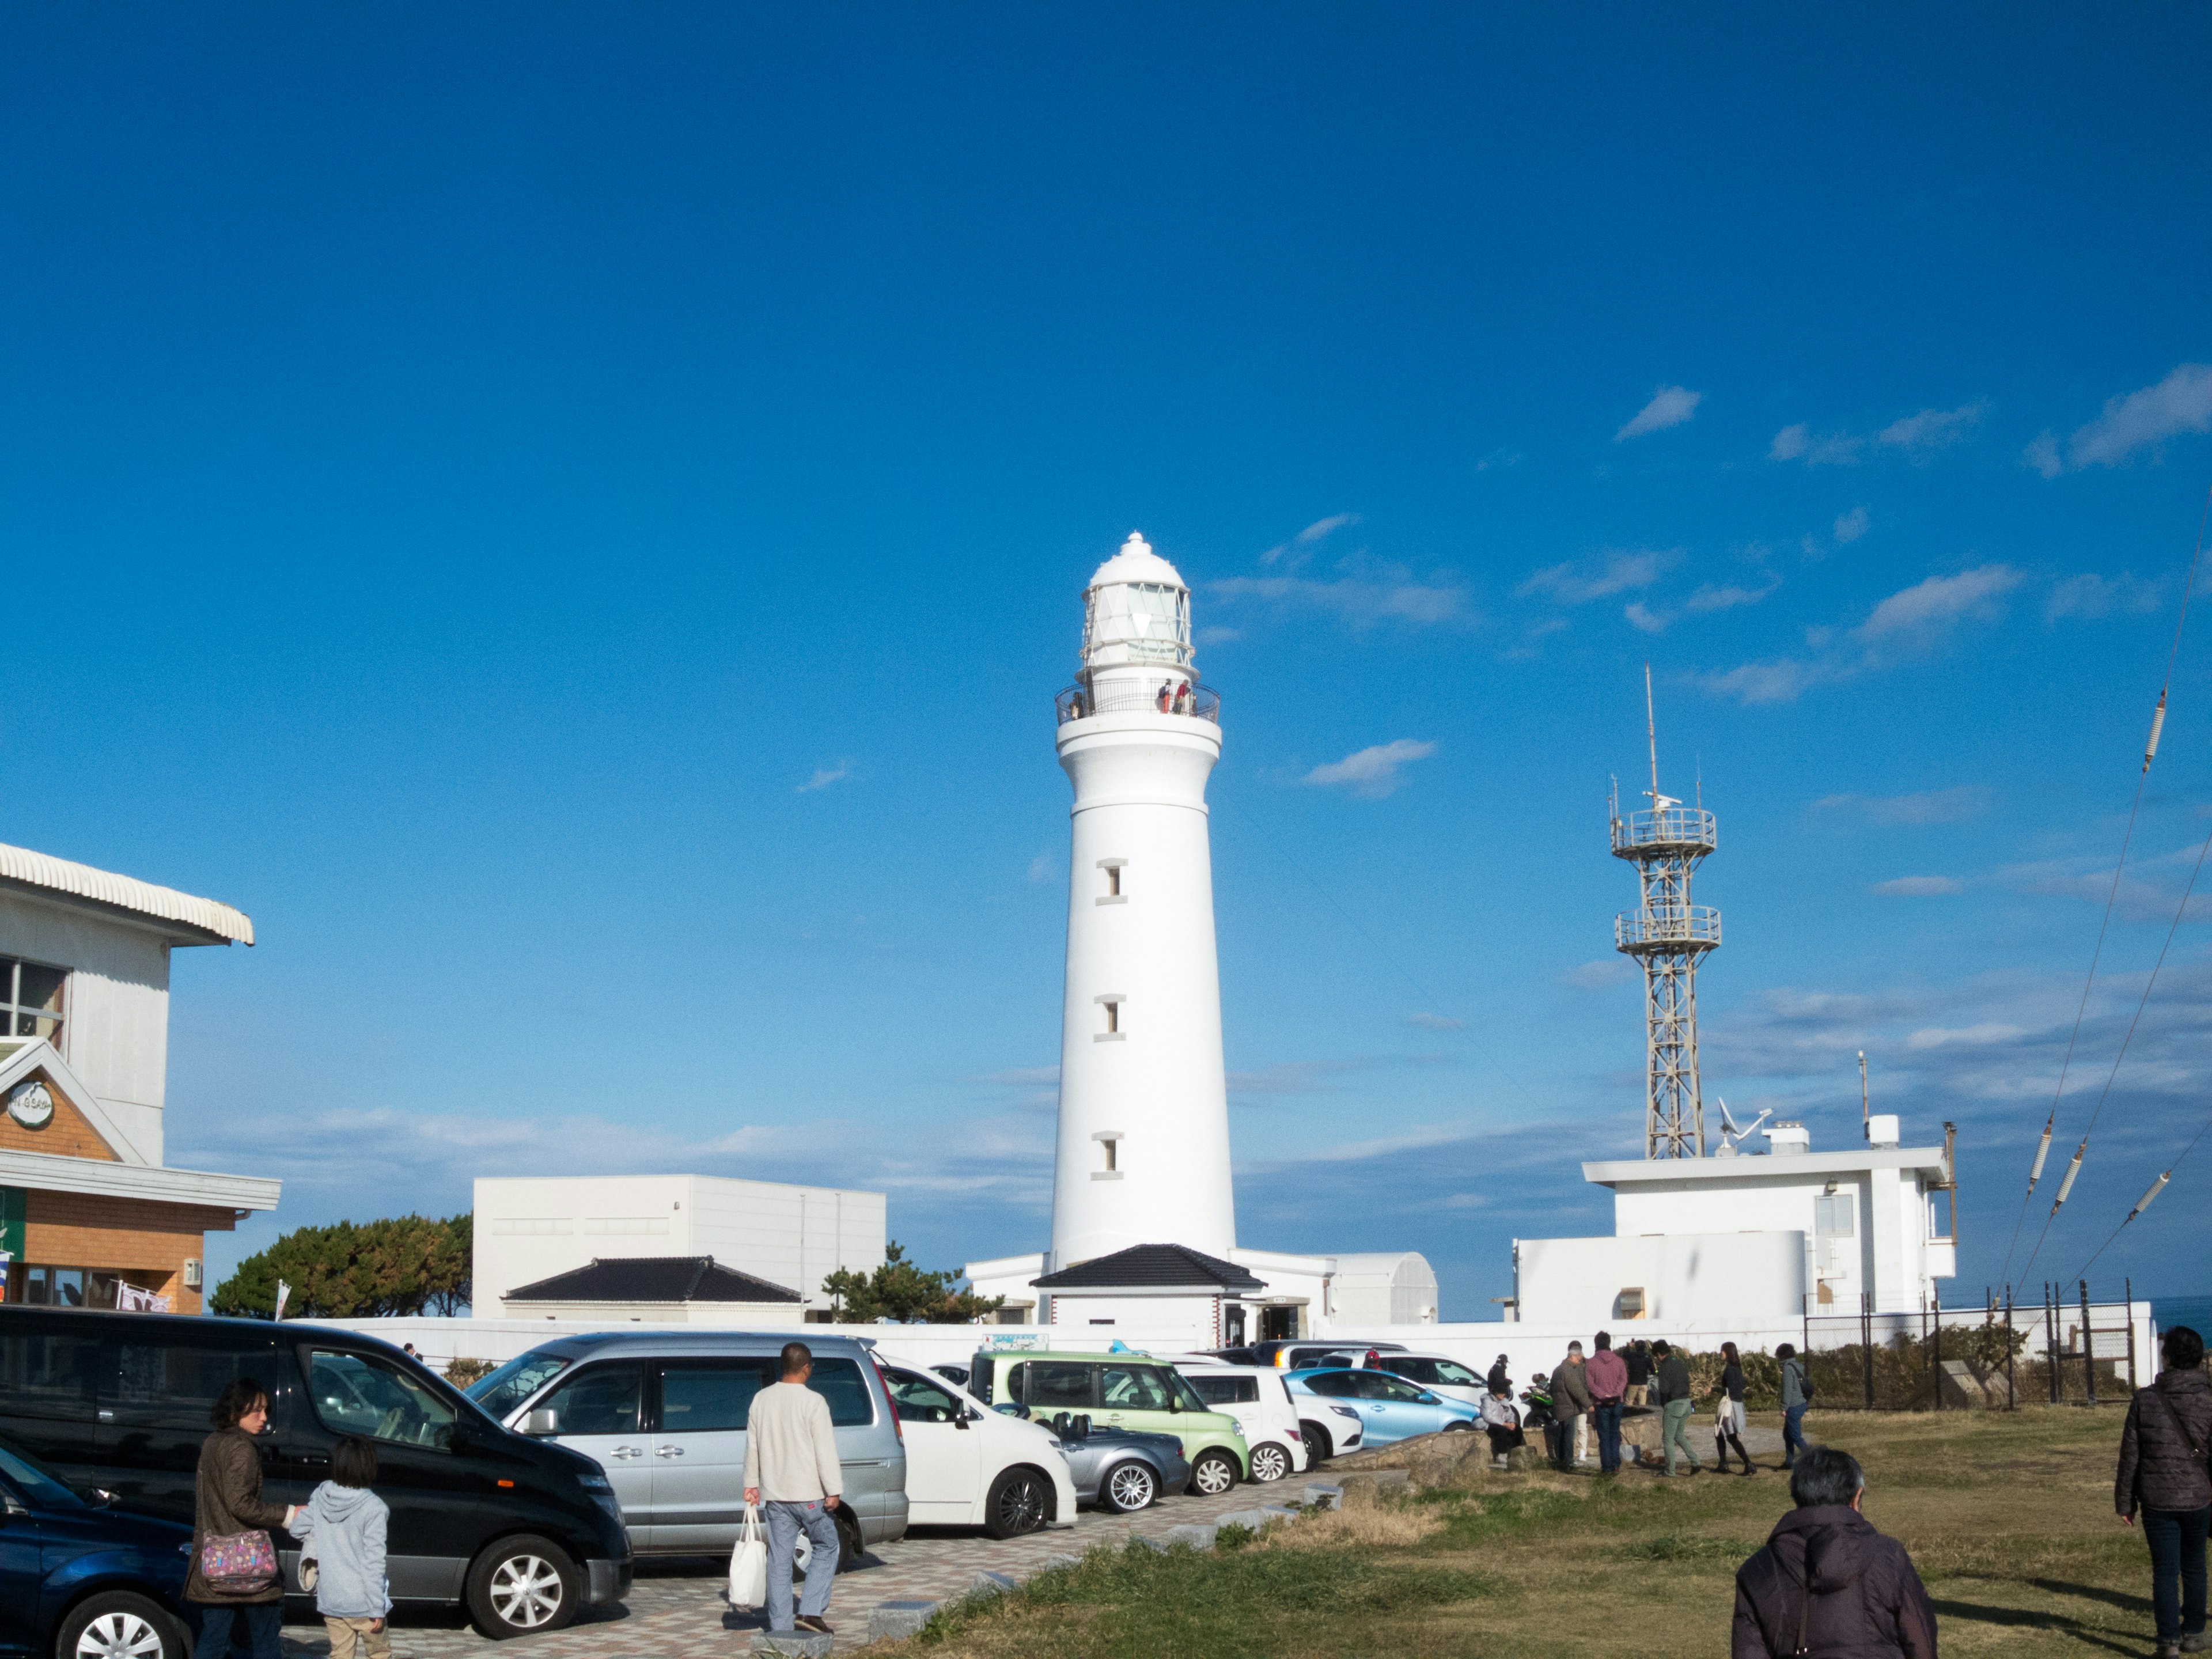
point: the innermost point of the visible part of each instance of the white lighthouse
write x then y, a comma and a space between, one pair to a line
1142, 1152
1143, 1226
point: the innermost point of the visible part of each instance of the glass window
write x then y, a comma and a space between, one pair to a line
353, 1394
1333, 1385
502, 1391
919, 1400
36, 1482
1226, 1390
1452, 1375
1050, 1385
180, 1382
46, 1374
1381, 1386
1133, 1387
1415, 1371
711, 1398
30, 1000
599, 1400
1833, 1214
839, 1383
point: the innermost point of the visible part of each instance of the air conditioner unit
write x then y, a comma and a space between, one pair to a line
192, 1274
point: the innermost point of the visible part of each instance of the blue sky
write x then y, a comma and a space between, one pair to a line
573, 518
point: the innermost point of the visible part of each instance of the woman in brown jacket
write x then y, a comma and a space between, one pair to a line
227, 1500
2163, 1473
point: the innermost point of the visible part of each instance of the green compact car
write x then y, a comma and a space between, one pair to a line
1131, 1391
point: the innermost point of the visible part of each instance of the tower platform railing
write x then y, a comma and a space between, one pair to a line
1672, 829
1667, 927
1077, 702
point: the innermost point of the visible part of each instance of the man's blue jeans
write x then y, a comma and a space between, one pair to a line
785, 1522
2176, 1538
1793, 1434
1608, 1438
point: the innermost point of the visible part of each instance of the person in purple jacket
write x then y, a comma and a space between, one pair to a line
1607, 1376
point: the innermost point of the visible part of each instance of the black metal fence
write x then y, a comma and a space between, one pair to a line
2059, 1351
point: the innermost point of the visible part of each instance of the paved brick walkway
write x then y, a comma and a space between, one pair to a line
676, 1610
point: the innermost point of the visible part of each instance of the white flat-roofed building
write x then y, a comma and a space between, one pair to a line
529, 1228
1777, 1234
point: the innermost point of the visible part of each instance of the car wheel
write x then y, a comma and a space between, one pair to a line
521, 1587
849, 1547
1213, 1474
121, 1626
1455, 1426
1270, 1461
1317, 1444
1019, 1501
1128, 1487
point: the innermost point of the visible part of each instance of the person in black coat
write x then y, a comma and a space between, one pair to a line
1827, 1585
2163, 1476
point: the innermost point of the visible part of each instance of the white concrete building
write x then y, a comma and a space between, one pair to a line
1141, 1169
1776, 1236
91, 1214
529, 1228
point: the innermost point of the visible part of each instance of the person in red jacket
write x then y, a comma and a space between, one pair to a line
1607, 1376
1827, 1585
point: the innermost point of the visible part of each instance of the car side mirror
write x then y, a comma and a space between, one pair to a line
1175, 1403
542, 1421
959, 1419
1427, 1399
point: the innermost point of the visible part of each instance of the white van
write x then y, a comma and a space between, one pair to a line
966, 1467
1256, 1397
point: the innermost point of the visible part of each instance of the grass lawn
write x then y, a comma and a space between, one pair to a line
2008, 1517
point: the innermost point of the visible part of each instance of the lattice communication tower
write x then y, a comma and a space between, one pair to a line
1668, 934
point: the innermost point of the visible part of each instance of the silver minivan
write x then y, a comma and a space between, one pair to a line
663, 1413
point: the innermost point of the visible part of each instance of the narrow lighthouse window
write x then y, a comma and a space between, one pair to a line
1110, 869
1110, 1010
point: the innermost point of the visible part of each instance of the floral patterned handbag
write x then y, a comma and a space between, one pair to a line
237, 1563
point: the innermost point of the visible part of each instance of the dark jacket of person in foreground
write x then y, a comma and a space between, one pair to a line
2159, 1467
1865, 1598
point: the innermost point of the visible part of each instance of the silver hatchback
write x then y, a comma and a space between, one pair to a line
663, 1413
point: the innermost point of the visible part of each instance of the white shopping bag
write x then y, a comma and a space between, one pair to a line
748, 1564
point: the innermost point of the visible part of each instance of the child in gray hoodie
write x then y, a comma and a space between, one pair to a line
341, 1527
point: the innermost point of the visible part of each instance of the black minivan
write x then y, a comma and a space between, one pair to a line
523, 1531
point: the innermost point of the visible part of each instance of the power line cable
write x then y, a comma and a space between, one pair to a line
2142, 778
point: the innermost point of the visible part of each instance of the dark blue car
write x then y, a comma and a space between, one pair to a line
81, 1582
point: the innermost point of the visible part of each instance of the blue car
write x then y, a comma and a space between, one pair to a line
1389, 1407
81, 1582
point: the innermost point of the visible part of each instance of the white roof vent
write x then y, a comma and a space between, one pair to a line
1881, 1129
1789, 1139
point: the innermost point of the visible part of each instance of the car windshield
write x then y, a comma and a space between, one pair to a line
32, 1481
502, 1391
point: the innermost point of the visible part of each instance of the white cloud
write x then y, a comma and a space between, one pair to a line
1709, 598
1670, 406
1364, 597
1436, 1022
1795, 443
2091, 596
1909, 623
1791, 443
1850, 526
1965, 1036
1372, 773
1625, 569
1929, 806
1043, 867
1918, 887
1600, 974
2180, 402
825, 775
1932, 429
1319, 530
1642, 617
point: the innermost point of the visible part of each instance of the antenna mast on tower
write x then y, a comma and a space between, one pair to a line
1668, 934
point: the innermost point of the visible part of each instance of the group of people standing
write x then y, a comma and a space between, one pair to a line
1582, 1391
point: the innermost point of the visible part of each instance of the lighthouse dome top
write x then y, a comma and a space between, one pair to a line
1136, 562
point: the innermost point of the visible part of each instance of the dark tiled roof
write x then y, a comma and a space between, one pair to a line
1152, 1266
653, 1278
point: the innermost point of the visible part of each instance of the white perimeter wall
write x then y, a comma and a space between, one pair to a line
1685, 1277
531, 1228
115, 1031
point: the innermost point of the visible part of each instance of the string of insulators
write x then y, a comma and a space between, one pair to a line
2157, 726
2073, 1169
2042, 1151
2143, 1203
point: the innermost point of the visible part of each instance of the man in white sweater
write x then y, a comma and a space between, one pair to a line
791, 1460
